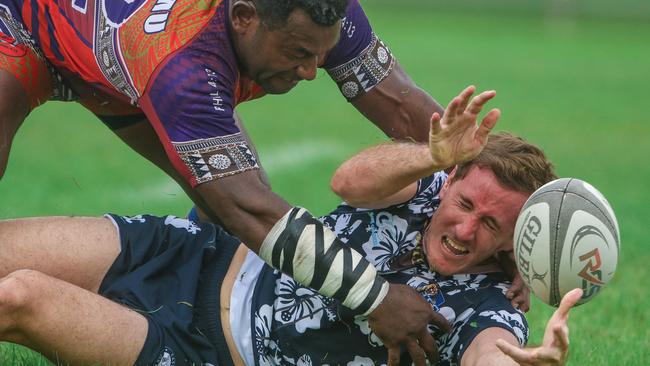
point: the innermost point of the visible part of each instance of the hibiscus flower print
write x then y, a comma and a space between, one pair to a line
268, 350
361, 361
343, 227
364, 327
427, 199
300, 306
388, 240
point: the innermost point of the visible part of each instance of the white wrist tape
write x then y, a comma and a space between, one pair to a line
300, 246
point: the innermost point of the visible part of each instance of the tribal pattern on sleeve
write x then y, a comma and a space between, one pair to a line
359, 75
217, 157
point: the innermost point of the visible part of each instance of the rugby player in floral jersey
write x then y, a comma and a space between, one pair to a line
167, 291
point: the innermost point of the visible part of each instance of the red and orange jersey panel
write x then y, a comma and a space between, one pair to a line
174, 61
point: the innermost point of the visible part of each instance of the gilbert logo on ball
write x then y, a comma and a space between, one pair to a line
566, 236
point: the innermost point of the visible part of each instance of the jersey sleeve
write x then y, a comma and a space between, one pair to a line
190, 102
488, 308
360, 61
427, 195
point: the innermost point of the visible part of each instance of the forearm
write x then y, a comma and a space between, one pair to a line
484, 352
400, 108
492, 358
381, 171
244, 205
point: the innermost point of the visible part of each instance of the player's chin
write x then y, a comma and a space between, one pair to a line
278, 85
446, 266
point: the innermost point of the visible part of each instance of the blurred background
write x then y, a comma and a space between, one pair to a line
571, 76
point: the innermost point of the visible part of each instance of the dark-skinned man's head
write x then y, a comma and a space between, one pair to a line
281, 42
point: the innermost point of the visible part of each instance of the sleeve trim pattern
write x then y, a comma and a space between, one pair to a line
216, 157
359, 75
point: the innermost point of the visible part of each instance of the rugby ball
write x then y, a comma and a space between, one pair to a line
566, 236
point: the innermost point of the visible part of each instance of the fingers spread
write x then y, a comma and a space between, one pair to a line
393, 356
489, 121
522, 303
452, 109
521, 299
440, 321
465, 95
417, 354
568, 301
429, 346
552, 355
479, 101
562, 337
518, 354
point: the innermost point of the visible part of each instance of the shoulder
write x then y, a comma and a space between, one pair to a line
474, 303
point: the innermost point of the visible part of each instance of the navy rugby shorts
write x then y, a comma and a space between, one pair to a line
170, 270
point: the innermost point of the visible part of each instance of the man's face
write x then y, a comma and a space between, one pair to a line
475, 220
277, 59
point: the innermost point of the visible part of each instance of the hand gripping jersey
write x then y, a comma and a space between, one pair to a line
172, 60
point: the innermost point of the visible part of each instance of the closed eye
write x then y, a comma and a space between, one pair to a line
491, 223
301, 53
464, 204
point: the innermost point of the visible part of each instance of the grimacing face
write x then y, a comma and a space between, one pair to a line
278, 58
475, 220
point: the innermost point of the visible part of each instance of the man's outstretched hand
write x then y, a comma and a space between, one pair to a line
402, 318
456, 137
555, 347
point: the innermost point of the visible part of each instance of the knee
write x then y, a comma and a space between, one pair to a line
19, 292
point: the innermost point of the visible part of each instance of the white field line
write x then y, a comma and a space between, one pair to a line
275, 161
301, 154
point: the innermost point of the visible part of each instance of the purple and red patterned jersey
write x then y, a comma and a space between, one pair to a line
174, 61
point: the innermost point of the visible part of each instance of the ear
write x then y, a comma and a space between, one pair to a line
448, 182
243, 16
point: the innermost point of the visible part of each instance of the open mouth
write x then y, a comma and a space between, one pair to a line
454, 247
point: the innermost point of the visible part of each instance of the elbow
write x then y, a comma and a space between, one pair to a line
341, 185
350, 188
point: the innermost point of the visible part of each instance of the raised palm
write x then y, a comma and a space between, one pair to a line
456, 138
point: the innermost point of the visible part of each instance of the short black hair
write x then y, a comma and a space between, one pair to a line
274, 13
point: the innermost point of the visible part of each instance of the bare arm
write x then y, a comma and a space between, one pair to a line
386, 174
245, 205
483, 350
497, 346
399, 107
382, 175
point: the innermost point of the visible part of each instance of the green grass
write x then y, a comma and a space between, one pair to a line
576, 86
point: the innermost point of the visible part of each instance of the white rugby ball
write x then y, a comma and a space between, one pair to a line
566, 236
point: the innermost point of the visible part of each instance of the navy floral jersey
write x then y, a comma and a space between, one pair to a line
294, 325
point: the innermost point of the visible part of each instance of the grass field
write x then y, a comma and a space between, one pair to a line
577, 86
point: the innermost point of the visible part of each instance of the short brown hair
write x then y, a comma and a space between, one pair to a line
516, 163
